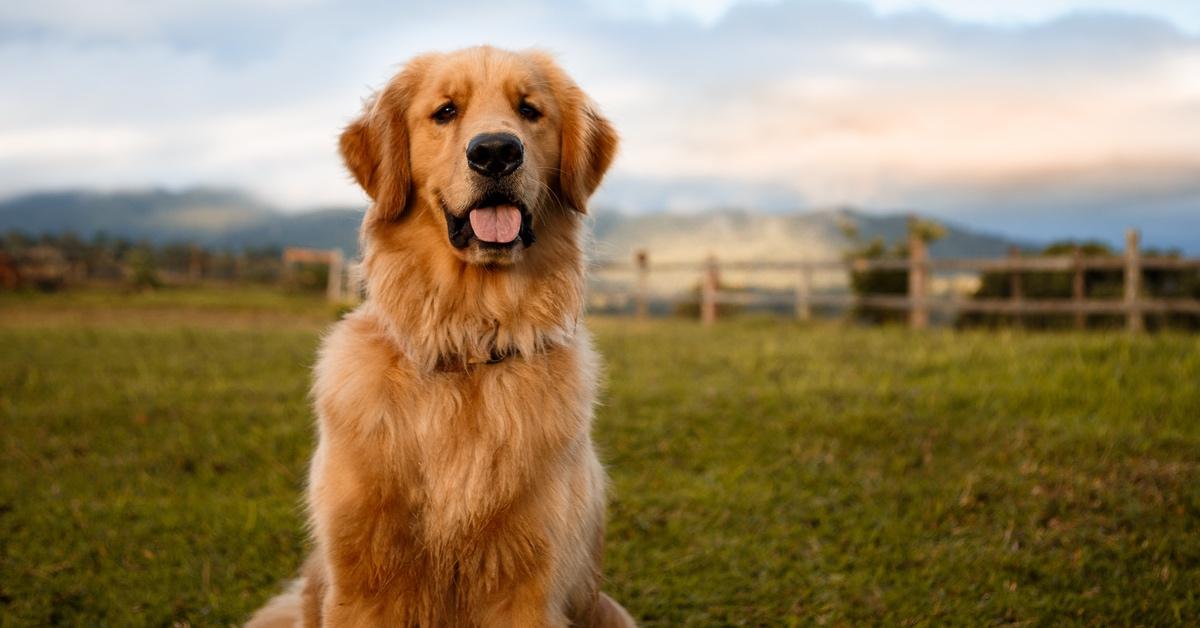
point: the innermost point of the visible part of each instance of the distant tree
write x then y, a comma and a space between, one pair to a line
875, 282
143, 272
264, 264
15, 241
1098, 284
148, 265
928, 231
175, 257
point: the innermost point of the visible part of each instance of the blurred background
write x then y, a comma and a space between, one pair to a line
898, 299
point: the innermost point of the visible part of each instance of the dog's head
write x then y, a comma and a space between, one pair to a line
486, 144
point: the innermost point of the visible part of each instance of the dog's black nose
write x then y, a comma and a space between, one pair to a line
495, 154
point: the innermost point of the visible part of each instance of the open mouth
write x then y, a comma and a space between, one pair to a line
495, 221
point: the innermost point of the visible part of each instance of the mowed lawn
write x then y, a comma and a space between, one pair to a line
153, 452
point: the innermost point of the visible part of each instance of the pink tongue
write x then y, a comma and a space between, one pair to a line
496, 224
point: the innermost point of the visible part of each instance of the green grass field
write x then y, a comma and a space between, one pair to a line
153, 450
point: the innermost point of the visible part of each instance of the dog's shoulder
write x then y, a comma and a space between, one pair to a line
357, 364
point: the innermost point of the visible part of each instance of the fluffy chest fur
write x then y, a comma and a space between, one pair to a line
463, 437
452, 475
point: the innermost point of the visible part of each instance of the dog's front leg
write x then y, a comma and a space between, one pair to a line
364, 540
340, 612
525, 604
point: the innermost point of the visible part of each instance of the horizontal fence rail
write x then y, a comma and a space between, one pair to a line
918, 303
1061, 263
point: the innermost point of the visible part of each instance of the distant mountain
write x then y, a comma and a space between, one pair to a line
210, 217
229, 219
744, 235
320, 229
158, 215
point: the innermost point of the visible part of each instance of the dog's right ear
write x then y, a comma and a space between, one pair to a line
375, 149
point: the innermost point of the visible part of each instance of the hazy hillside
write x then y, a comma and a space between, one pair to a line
321, 229
158, 215
228, 219
215, 218
744, 235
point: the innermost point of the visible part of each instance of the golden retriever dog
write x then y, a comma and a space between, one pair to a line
455, 482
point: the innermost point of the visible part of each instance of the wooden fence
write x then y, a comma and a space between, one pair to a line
334, 287
918, 302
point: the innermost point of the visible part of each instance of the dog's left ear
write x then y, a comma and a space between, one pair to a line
589, 144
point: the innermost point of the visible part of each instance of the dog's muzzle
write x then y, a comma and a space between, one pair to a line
496, 221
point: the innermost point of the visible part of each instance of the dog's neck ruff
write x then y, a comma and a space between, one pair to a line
445, 315
433, 352
464, 364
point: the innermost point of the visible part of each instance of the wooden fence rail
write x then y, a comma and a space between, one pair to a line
918, 303
334, 287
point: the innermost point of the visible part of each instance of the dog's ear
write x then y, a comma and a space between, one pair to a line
589, 142
375, 149
359, 149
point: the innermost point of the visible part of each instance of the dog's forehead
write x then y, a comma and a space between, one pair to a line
479, 73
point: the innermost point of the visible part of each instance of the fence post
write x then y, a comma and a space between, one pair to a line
642, 263
287, 272
803, 290
854, 265
1133, 283
918, 281
708, 292
1078, 287
195, 265
1016, 286
333, 289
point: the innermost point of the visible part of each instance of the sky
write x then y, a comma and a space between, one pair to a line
1034, 118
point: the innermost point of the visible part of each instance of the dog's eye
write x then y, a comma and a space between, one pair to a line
445, 113
529, 112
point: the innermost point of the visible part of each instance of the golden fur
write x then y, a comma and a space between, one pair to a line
447, 490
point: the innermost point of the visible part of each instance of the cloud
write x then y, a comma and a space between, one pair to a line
1184, 13
853, 105
886, 103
